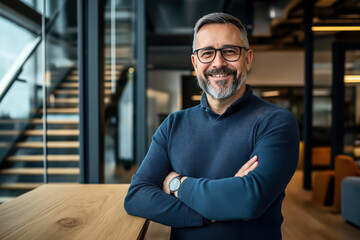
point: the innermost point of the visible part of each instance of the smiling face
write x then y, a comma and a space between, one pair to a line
221, 79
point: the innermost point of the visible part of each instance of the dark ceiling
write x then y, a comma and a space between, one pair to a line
271, 24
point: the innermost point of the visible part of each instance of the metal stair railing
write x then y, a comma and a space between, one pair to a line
13, 73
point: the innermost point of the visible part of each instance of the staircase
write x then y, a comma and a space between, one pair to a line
23, 168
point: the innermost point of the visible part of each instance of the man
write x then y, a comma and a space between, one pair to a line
197, 176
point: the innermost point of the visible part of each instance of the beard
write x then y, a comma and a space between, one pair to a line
223, 92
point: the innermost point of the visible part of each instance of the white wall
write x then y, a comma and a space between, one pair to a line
164, 96
170, 82
277, 68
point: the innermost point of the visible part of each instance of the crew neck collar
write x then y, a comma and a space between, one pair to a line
234, 106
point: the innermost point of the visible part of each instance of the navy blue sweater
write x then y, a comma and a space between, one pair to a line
209, 149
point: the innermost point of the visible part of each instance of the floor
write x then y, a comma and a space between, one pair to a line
302, 219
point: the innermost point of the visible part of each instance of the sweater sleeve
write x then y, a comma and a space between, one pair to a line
276, 143
146, 198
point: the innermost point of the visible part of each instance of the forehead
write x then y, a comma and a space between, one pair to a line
218, 35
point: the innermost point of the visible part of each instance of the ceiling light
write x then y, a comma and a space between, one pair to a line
272, 13
271, 94
352, 78
335, 28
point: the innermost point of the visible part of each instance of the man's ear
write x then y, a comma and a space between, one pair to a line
249, 58
193, 61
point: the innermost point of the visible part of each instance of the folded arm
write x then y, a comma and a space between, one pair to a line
248, 197
145, 197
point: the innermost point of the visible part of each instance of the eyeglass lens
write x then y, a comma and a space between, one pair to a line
228, 53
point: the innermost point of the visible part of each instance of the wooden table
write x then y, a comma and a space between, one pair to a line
73, 211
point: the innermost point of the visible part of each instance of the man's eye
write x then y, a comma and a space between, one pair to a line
206, 53
229, 51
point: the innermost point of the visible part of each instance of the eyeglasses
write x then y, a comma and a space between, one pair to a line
229, 53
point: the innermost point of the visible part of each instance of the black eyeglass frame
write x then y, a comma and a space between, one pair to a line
196, 51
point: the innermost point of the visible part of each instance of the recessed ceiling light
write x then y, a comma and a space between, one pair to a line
335, 28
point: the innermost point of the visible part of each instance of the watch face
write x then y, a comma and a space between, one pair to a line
174, 184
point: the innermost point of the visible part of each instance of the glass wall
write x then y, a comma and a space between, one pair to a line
352, 103
120, 66
39, 98
322, 100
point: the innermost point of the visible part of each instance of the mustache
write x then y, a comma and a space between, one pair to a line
220, 71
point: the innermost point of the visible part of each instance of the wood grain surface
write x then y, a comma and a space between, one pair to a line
76, 211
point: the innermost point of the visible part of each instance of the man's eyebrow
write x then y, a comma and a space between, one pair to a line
223, 46
229, 45
207, 47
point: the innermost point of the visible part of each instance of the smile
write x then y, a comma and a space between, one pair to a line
219, 75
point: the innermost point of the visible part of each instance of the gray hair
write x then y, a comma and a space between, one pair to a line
221, 18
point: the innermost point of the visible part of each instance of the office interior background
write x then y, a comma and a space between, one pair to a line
85, 84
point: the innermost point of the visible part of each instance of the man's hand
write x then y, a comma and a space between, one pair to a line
247, 167
167, 182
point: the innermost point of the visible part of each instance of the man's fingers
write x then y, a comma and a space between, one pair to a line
247, 167
252, 167
249, 163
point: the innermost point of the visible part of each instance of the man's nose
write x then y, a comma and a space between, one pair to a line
218, 61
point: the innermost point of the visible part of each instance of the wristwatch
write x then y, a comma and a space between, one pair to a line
174, 184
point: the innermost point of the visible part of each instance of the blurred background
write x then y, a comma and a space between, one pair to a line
85, 84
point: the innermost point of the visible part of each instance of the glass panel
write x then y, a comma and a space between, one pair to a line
62, 96
322, 103
22, 110
21, 131
12, 44
119, 88
352, 103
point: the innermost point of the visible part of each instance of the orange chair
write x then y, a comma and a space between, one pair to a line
327, 184
323, 188
321, 156
344, 166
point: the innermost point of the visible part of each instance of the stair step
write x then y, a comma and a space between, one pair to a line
109, 67
52, 144
40, 158
108, 84
20, 186
107, 91
56, 121
74, 72
59, 110
65, 100
66, 92
107, 77
39, 121
40, 171
69, 85
109, 72
50, 132
74, 77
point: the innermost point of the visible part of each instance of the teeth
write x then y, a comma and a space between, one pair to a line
220, 75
